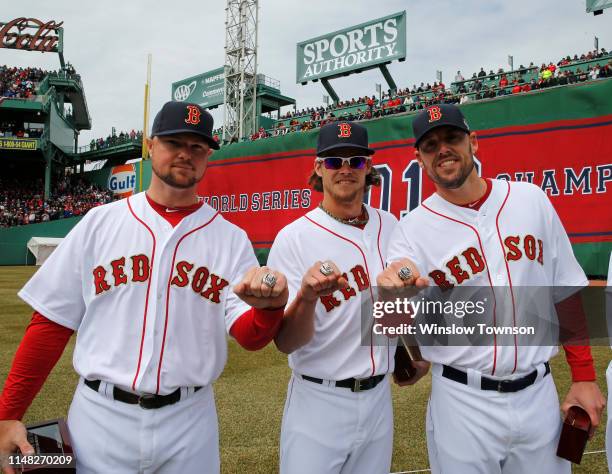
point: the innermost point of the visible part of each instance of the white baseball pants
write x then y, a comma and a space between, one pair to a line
331, 430
112, 436
474, 431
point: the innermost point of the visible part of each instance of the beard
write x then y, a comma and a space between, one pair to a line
176, 182
456, 182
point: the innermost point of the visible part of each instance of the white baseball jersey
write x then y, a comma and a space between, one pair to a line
336, 351
151, 303
514, 240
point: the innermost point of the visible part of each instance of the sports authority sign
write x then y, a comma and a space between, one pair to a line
30, 34
352, 49
205, 89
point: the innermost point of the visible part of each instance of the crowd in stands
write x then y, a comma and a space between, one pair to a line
320, 110
113, 139
480, 86
19, 130
546, 75
19, 83
371, 108
23, 203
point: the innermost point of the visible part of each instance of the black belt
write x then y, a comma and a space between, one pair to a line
147, 401
504, 386
356, 385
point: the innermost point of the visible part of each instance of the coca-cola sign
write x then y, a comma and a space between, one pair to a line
31, 34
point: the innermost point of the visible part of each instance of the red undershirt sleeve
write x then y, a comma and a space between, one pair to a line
42, 345
574, 334
257, 327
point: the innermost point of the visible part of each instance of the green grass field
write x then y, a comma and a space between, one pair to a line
250, 396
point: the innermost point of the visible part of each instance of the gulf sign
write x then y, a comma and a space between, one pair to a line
353, 49
122, 180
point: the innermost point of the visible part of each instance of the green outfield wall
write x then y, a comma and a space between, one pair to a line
557, 138
14, 240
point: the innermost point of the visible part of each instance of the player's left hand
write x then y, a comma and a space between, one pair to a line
588, 396
421, 366
254, 292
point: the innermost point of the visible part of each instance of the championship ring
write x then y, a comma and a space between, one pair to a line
269, 280
404, 273
326, 269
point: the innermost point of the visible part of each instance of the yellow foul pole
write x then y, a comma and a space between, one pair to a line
145, 128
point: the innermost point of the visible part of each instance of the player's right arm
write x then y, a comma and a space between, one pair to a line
40, 349
400, 254
297, 327
55, 291
305, 283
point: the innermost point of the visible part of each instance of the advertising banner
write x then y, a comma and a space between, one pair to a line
570, 160
122, 180
352, 49
18, 143
205, 89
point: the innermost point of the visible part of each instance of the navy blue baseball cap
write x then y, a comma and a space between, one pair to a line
181, 117
343, 134
437, 116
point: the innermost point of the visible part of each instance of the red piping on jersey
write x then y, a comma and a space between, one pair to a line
501, 243
369, 278
382, 264
144, 322
488, 276
161, 355
382, 261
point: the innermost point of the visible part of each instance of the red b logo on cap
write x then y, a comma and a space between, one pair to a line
193, 116
345, 130
435, 113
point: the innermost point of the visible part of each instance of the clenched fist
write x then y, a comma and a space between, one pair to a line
263, 288
316, 283
390, 277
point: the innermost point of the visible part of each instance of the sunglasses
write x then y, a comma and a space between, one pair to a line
335, 163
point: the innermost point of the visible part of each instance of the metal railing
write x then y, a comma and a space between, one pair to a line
268, 81
114, 142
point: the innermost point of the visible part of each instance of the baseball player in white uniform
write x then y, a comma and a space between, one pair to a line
338, 413
152, 284
493, 408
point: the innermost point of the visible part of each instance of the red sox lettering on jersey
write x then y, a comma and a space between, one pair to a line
361, 283
515, 239
148, 293
360, 255
202, 281
472, 262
